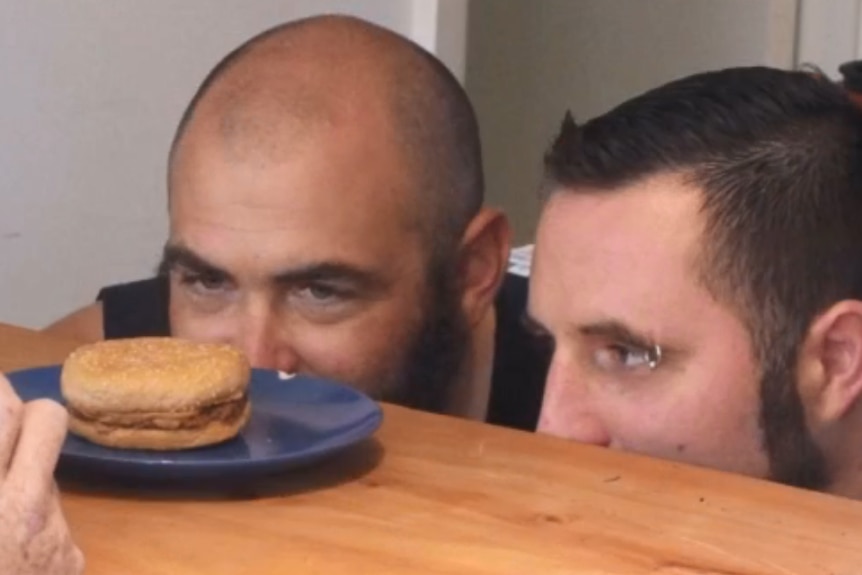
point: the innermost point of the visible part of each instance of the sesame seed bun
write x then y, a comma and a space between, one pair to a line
156, 393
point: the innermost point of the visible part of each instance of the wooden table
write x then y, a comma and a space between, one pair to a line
437, 495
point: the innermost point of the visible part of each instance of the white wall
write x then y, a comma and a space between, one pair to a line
829, 33
91, 93
530, 61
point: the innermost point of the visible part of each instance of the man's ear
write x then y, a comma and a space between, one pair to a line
482, 262
830, 366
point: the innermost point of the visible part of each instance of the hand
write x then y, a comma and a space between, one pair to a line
34, 536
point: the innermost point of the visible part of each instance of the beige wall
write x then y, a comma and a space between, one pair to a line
829, 33
527, 62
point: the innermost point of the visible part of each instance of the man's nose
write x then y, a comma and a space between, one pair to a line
265, 344
566, 412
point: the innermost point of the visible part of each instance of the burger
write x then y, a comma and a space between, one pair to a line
157, 393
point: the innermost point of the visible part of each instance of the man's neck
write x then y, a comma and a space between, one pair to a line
845, 457
473, 390
848, 484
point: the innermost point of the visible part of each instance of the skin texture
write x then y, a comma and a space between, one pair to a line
301, 239
34, 536
251, 223
615, 273
628, 257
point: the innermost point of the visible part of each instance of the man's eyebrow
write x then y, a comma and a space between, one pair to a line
174, 256
330, 271
617, 331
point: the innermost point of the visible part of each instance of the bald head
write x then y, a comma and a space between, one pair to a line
324, 74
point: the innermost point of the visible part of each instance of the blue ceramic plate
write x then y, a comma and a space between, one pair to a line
294, 422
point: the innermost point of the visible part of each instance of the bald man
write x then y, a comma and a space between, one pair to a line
326, 216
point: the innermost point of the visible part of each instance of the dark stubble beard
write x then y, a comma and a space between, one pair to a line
436, 356
794, 457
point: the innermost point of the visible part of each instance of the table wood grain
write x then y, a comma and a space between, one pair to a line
437, 495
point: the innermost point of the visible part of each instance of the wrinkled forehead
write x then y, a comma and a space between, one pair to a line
332, 195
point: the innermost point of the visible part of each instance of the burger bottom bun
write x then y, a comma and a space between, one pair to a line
212, 432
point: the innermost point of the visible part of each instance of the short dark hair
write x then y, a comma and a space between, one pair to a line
778, 157
434, 119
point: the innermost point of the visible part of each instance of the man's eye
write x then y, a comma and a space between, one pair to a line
319, 293
620, 357
203, 282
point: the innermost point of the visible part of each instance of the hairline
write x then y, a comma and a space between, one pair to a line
703, 259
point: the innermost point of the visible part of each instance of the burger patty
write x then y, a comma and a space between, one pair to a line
228, 411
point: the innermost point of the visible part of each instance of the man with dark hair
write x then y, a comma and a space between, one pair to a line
326, 216
698, 267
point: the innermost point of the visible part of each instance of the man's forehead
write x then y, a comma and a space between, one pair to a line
331, 160
272, 228
271, 103
659, 215
654, 195
628, 252
270, 130
256, 138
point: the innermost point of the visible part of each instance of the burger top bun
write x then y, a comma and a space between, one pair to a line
152, 374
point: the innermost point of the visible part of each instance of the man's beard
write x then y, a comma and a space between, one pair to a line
435, 358
794, 457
